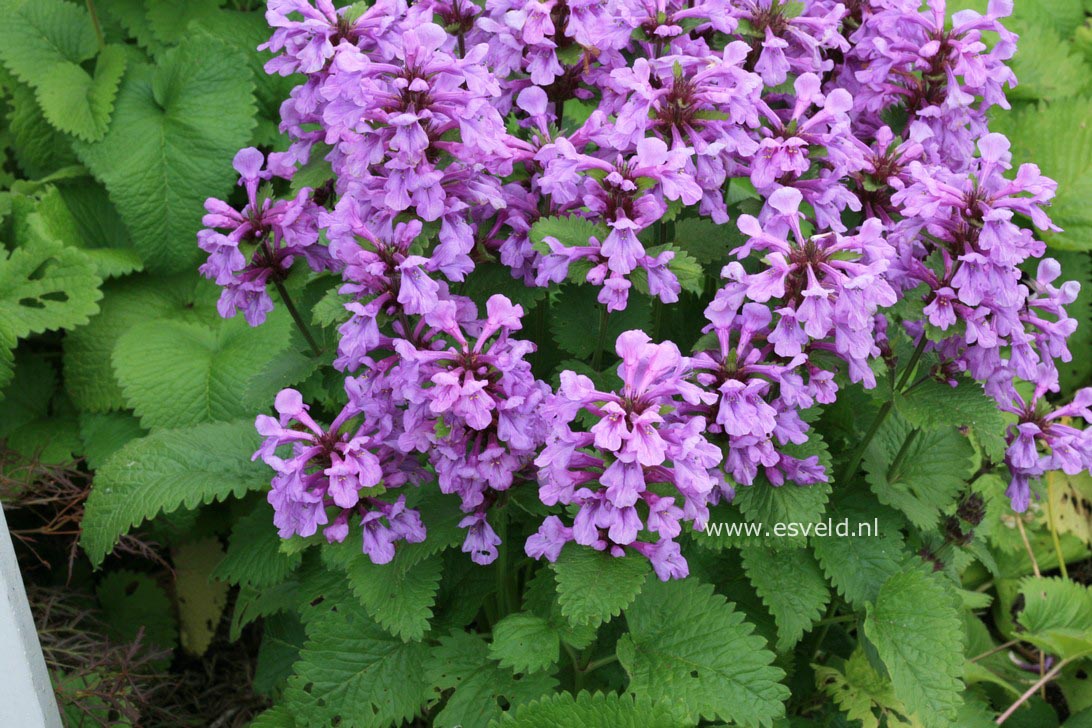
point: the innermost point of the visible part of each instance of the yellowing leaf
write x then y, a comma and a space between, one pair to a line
199, 597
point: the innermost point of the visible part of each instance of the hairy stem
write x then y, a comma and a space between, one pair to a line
994, 651
885, 409
1041, 682
296, 317
901, 455
601, 662
504, 605
1053, 526
95, 24
1027, 545
601, 339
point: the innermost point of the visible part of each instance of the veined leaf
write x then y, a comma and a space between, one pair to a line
170, 145
351, 669
917, 632
919, 472
593, 586
88, 372
39, 34
178, 373
167, 470
461, 664
524, 643
254, 557
78, 103
672, 658
590, 709
1057, 616
792, 585
45, 286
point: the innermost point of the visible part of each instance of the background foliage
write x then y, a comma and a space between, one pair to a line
119, 122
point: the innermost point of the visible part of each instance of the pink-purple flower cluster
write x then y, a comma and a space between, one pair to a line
849, 140
642, 470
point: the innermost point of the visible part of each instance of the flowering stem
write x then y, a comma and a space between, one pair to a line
1031, 691
885, 409
897, 462
95, 24
504, 605
578, 674
601, 662
296, 317
1053, 527
995, 650
1027, 545
601, 340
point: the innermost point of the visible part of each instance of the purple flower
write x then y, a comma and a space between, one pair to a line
646, 435
337, 468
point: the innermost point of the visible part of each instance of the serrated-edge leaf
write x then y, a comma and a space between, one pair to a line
167, 470
590, 709
350, 668
792, 585
917, 632
593, 587
524, 643
689, 648
46, 286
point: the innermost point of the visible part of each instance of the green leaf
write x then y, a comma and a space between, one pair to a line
858, 567
169, 21
766, 504
705, 240
919, 472
593, 587
571, 232
524, 643
178, 373
1057, 616
132, 601
53, 220
461, 663
792, 585
689, 272
36, 422
859, 690
78, 103
167, 470
1047, 136
104, 433
689, 648
46, 286
352, 671
400, 595
38, 148
574, 320
1063, 16
278, 716
7, 357
491, 278
917, 632
254, 556
38, 34
590, 709
934, 404
1047, 67
540, 598
88, 372
282, 638
28, 397
170, 145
